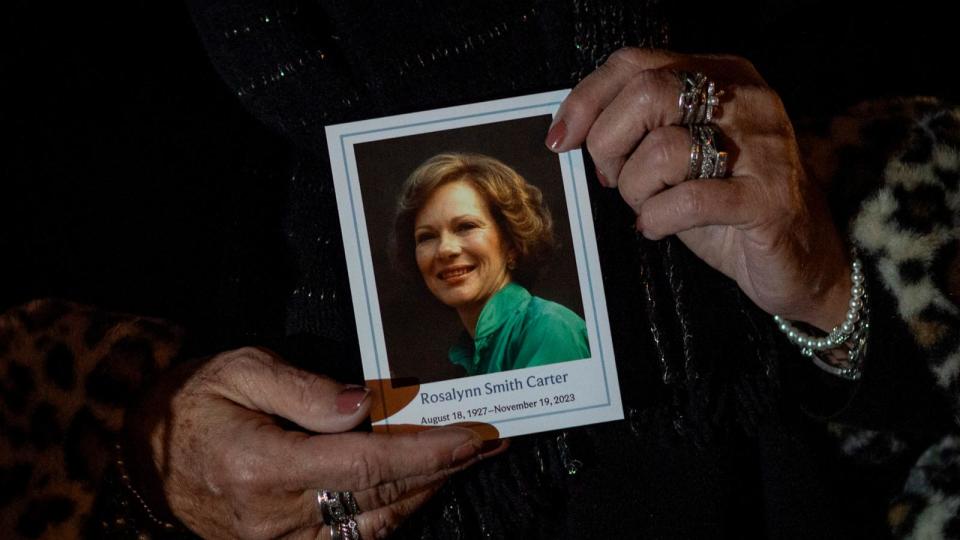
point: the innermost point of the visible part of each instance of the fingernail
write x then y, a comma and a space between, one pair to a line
465, 442
602, 178
349, 400
466, 450
464, 453
556, 134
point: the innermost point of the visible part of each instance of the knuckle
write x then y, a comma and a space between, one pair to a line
626, 55
246, 361
598, 144
647, 88
690, 202
630, 191
653, 227
768, 99
747, 66
607, 157
744, 92
758, 103
365, 472
629, 196
241, 470
386, 493
642, 89
646, 223
659, 148
384, 522
747, 93
251, 353
579, 103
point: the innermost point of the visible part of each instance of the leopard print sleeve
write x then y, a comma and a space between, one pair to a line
67, 374
896, 165
911, 227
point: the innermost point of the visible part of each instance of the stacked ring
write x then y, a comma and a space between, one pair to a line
338, 509
345, 530
706, 159
699, 98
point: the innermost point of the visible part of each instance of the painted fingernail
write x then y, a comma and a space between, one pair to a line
465, 442
464, 453
556, 134
602, 178
349, 400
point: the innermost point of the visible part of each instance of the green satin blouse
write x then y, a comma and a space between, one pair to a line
517, 330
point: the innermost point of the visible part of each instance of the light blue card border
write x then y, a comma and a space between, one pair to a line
601, 366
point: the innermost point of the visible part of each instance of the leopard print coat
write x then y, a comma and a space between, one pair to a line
911, 227
908, 227
68, 372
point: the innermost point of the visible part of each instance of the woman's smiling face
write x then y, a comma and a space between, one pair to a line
459, 249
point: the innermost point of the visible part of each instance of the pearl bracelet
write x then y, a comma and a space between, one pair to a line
851, 334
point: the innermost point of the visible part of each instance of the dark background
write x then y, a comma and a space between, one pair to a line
125, 159
418, 329
126, 163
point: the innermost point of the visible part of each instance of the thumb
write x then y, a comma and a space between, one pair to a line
259, 380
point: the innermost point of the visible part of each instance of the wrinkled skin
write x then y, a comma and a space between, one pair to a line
766, 226
228, 469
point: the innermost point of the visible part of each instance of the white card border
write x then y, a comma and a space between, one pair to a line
340, 141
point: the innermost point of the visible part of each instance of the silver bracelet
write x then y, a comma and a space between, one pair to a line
127, 484
849, 337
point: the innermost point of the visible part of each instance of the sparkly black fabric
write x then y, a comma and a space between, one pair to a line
712, 446
300, 66
709, 448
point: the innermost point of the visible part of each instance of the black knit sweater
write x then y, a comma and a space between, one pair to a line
722, 437
712, 447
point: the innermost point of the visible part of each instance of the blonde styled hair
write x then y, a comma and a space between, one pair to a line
516, 206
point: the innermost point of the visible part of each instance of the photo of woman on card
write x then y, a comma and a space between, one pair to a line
477, 234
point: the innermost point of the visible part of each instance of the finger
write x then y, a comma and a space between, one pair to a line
662, 160
257, 379
693, 204
359, 461
586, 101
647, 101
389, 492
378, 523
370, 499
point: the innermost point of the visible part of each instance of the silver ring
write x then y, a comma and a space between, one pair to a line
345, 530
706, 159
336, 507
349, 503
695, 156
699, 98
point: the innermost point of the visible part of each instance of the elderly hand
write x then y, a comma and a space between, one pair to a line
766, 226
229, 470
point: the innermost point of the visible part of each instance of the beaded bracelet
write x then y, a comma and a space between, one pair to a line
127, 484
850, 335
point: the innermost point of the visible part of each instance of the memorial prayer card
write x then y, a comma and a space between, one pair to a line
474, 272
